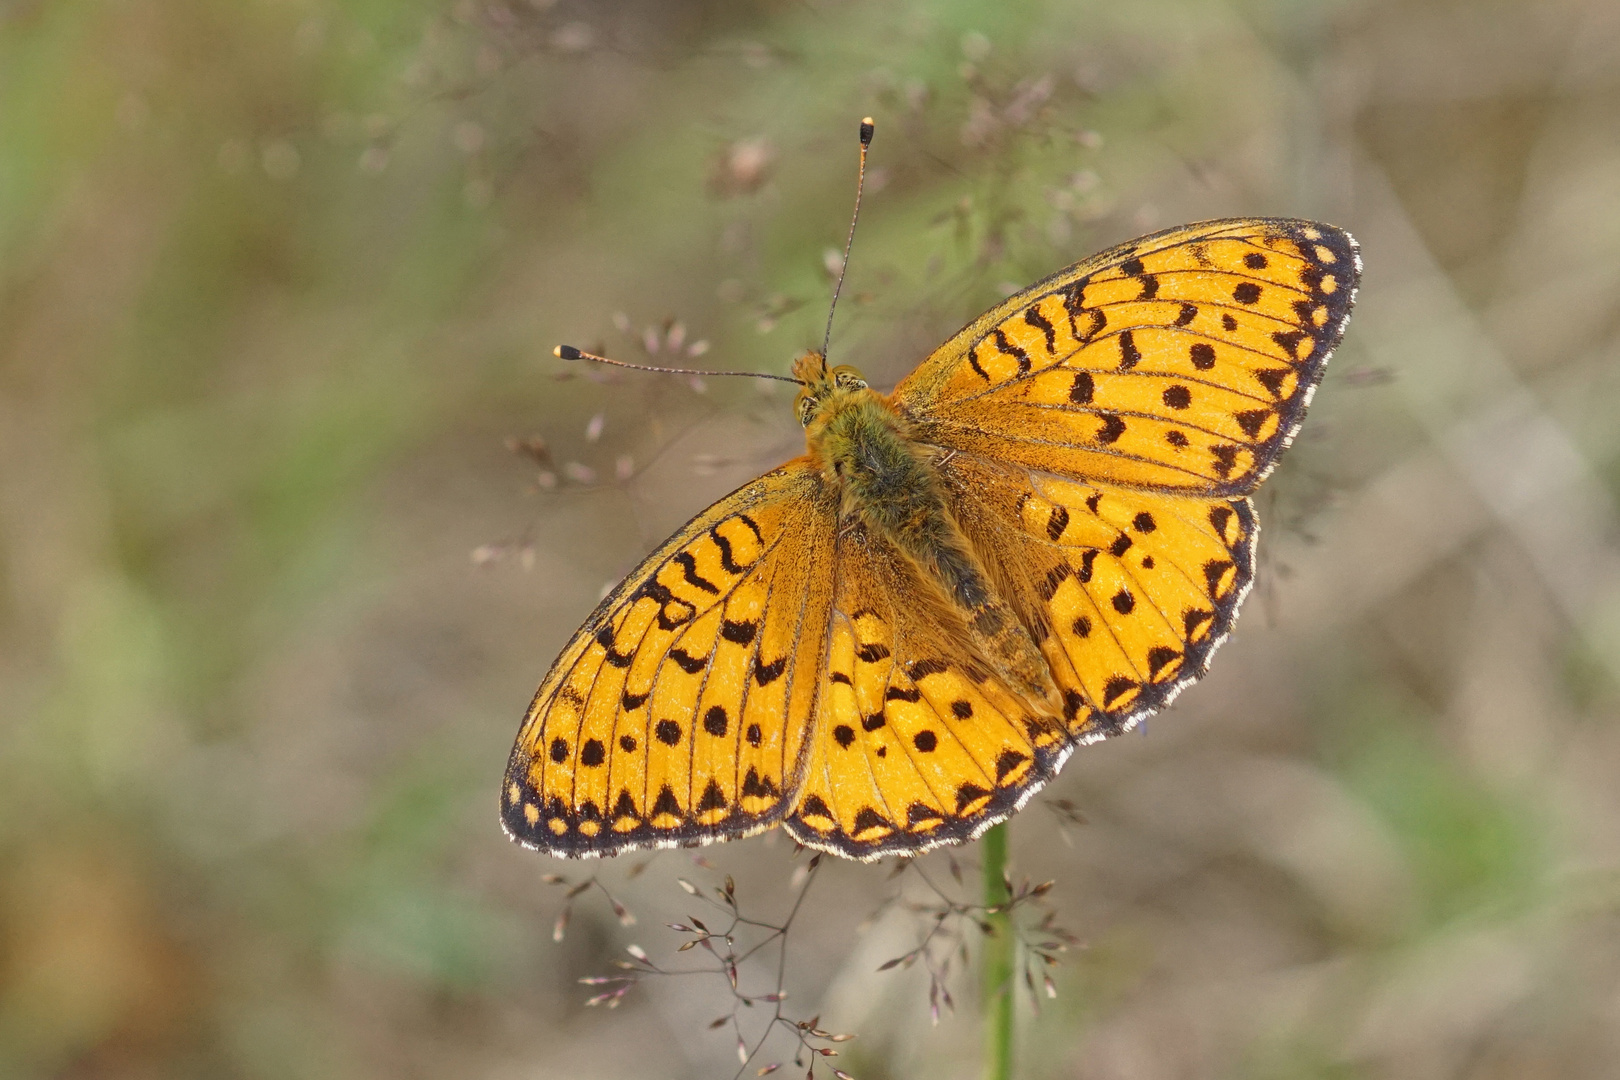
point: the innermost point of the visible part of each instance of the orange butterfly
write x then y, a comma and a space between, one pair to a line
893, 641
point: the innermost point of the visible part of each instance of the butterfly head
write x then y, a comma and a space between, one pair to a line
822, 385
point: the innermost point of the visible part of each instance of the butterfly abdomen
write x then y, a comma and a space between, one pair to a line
891, 484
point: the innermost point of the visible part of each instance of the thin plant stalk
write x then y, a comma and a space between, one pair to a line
998, 959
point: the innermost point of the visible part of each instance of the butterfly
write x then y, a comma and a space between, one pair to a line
1037, 539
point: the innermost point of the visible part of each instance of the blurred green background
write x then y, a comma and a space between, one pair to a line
279, 278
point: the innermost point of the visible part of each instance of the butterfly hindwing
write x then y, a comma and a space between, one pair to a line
1181, 361
1127, 592
916, 743
677, 713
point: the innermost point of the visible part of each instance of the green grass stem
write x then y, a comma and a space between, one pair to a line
997, 962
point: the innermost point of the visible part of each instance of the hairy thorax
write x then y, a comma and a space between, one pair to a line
891, 484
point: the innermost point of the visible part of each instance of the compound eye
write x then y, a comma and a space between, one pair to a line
807, 411
851, 382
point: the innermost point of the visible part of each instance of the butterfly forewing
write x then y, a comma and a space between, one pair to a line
1182, 361
678, 712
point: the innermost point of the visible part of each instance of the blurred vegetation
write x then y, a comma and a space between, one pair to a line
278, 278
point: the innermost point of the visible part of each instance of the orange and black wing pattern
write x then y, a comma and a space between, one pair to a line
1127, 593
916, 743
678, 713
1179, 362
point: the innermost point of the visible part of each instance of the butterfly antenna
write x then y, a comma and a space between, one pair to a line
867, 128
568, 352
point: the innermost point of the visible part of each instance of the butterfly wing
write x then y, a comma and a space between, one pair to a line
1127, 592
677, 713
915, 742
1179, 362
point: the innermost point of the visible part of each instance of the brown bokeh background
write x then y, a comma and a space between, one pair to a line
279, 277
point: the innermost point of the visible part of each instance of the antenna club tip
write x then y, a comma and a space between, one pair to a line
867, 129
566, 352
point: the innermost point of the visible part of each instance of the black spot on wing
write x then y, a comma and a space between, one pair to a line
604, 638
1273, 379
1007, 762
687, 662
1117, 688
1215, 571
1252, 420
918, 813
1113, 427
968, 794
724, 545
1129, 354
688, 564
1159, 657
713, 798
741, 631
1013, 351
1289, 340
665, 803
813, 806
1054, 578
755, 787
867, 819
1033, 316
1057, 523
